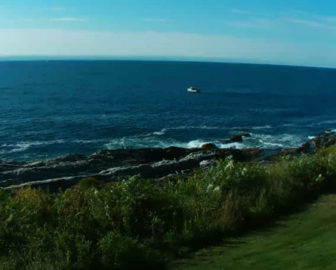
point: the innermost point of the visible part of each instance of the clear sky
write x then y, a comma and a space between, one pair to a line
298, 32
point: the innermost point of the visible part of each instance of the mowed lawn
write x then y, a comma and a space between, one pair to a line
305, 240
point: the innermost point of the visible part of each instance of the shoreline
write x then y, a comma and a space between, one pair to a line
152, 163
143, 223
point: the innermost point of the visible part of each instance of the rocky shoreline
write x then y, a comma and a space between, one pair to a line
113, 165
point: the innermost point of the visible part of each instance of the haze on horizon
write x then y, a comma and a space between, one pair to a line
282, 32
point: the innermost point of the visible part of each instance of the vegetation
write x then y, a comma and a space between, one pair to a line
138, 224
303, 241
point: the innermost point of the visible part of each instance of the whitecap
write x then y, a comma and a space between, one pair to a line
268, 141
231, 145
161, 132
25, 145
277, 145
195, 144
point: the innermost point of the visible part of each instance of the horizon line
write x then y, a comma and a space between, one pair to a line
27, 58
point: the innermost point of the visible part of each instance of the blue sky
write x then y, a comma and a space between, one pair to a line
296, 32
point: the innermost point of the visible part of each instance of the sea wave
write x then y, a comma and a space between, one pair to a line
164, 131
198, 127
266, 141
326, 122
156, 139
25, 145
193, 144
262, 127
319, 124
289, 125
235, 145
161, 132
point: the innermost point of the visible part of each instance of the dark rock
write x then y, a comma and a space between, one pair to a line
326, 139
175, 152
157, 163
209, 146
111, 165
239, 137
8, 165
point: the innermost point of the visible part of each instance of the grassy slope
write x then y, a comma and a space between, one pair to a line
306, 240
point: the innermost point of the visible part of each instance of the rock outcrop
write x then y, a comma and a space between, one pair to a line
326, 139
157, 163
113, 165
209, 146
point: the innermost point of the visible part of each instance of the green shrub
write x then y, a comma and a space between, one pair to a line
138, 224
89, 182
122, 252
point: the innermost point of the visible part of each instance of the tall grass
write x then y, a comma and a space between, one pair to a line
138, 224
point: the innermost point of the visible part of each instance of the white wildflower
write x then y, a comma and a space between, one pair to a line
217, 189
319, 178
210, 187
229, 165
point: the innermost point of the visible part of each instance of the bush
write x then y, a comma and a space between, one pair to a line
137, 224
122, 252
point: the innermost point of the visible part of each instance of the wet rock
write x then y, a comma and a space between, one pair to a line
239, 137
111, 165
209, 146
8, 165
156, 163
326, 139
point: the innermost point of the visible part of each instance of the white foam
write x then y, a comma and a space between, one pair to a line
231, 145
195, 144
277, 145
25, 145
161, 132
268, 141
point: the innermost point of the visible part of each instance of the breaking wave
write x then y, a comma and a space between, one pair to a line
155, 139
265, 141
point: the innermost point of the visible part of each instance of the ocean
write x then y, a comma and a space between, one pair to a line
53, 108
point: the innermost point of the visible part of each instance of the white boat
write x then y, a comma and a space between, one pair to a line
193, 90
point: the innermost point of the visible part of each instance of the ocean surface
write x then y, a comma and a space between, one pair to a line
53, 108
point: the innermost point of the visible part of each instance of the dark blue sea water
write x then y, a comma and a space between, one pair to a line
48, 109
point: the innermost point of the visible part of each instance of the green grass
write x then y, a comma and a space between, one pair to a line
306, 240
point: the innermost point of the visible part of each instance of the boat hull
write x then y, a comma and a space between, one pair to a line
190, 90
